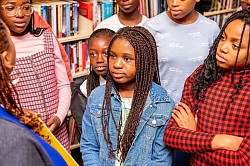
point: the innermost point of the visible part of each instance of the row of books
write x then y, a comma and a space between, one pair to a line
97, 10
63, 16
151, 8
224, 4
77, 54
220, 19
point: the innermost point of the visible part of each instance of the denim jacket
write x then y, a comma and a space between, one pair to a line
147, 148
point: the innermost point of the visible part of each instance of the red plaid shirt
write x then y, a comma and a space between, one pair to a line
214, 119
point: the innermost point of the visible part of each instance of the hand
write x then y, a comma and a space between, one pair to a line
226, 142
184, 117
53, 123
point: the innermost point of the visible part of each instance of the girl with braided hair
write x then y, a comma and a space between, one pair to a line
43, 84
98, 43
219, 93
19, 133
125, 119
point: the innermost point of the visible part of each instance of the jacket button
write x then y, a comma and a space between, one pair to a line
154, 122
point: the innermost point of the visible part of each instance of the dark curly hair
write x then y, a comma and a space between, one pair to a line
209, 72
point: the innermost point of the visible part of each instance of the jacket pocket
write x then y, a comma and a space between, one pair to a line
157, 120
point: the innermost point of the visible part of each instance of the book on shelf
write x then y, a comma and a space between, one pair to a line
77, 52
86, 9
63, 16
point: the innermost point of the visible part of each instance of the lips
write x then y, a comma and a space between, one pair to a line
117, 75
220, 58
175, 12
101, 68
20, 24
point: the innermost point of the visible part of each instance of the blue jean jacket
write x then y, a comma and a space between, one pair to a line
147, 148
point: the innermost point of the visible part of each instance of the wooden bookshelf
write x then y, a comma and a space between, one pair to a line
207, 14
85, 30
80, 73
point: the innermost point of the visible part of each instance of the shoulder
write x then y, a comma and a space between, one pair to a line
157, 19
144, 19
160, 97
158, 92
13, 130
112, 23
24, 144
97, 94
157, 24
207, 22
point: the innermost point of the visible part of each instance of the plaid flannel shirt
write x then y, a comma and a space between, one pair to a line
214, 119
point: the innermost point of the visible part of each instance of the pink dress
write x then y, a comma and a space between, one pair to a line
41, 87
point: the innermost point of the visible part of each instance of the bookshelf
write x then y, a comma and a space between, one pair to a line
70, 27
212, 13
80, 73
85, 30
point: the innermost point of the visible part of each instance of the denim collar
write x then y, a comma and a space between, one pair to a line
154, 94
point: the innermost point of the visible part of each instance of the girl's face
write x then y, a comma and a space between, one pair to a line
122, 62
127, 6
98, 47
229, 45
181, 11
18, 21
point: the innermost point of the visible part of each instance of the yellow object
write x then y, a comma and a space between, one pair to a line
57, 145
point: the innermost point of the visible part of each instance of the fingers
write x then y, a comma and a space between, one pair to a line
52, 127
53, 123
179, 112
177, 120
184, 117
188, 111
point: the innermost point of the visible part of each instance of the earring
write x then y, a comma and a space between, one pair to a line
16, 80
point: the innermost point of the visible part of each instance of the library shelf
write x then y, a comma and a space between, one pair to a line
207, 14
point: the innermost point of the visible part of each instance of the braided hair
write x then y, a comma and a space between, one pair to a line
209, 73
8, 91
93, 78
146, 71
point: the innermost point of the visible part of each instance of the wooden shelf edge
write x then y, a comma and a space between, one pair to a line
80, 73
73, 38
85, 30
207, 14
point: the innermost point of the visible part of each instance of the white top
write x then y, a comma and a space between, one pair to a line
83, 87
114, 23
181, 49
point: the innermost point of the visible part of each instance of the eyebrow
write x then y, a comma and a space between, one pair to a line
14, 3
232, 38
127, 54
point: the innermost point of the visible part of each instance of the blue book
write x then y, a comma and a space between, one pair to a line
107, 9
